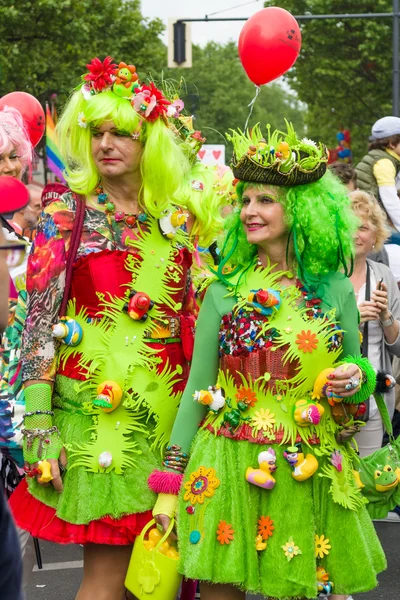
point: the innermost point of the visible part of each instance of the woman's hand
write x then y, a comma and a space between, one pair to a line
164, 521
369, 310
380, 299
345, 380
54, 469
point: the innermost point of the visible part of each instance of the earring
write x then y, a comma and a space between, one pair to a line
373, 246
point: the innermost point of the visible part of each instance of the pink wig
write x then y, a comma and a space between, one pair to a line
13, 135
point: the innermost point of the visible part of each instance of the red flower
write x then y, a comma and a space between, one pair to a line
47, 262
152, 96
101, 74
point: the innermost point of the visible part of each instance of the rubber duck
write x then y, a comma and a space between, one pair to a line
213, 398
126, 80
284, 150
68, 331
262, 477
260, 544
109, 396
320, 387
138, 305
307, 413
45, 468
264, 301
357, 479
261, 149
303, 467
105, 460
323, 584
171, 222
252, 150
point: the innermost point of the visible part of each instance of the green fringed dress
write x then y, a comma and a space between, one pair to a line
293, 538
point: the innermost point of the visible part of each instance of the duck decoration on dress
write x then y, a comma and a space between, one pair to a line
321, 388
303, 467
264, 301
262, 476
68, 331
213, 398
324, 586
109, 396
308, 413
138, 306
260, 543
44, 467
171, 222
126, 80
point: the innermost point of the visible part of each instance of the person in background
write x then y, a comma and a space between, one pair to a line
381, 310
376, 174
346, 173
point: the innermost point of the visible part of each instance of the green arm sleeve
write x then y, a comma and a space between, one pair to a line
349, 319
203, 373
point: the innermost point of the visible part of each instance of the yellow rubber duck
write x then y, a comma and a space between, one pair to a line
303, 467
260, 544
262, 477
308, 413
284, 149
109, 395
45, 468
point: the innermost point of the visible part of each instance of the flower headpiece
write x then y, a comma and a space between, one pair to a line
122, 79
281, 159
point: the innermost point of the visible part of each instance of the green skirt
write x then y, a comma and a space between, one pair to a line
217, 537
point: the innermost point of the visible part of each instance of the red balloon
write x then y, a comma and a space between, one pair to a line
269, 44
31, 111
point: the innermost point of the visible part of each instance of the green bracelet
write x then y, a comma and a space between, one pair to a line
368, 382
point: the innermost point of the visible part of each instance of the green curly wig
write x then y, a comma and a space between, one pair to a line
321, 229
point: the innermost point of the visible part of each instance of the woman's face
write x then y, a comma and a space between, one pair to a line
115, 153
263, 216
365, 238
10, 164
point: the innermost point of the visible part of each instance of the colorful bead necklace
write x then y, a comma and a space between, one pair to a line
130, 220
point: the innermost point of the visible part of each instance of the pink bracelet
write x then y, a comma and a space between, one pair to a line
163, 482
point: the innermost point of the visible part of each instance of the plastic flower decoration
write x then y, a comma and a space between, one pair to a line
263, 419
202, 484
175, 108
290, 549
225, 533
307, 341
322, 546
82, 120
101, 73
337, 460
150, 102
265, 527
247, 396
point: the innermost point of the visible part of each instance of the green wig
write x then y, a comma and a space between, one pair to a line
208, 190
164, 165
321, 229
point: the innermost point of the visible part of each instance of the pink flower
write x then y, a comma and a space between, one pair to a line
144, 103
175, 108
337, 460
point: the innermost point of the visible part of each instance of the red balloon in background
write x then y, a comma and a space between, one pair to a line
31, 111
269, 44
13, 195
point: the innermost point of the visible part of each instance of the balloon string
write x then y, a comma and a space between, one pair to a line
251, 106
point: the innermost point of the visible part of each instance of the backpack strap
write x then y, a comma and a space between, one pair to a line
73, 248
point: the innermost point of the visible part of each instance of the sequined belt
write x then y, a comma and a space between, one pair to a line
170, 327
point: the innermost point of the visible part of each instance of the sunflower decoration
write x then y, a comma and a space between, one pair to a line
201, 485
322, 546
247, 396
307, 341
265, 527
263, 419
290, 549
225, 533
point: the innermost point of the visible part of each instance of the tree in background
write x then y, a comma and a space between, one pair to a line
218, 93
344, 71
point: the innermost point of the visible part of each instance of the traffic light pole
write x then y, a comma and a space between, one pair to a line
395, 15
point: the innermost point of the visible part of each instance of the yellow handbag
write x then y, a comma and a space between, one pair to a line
152, 574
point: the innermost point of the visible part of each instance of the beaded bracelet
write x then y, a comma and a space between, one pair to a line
39, 412
175, 459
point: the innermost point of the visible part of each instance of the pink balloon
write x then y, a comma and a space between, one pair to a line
13, 195
269, 44
31, 111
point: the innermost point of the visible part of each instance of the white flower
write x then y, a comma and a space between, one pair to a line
309, 142
85, 91
82, 120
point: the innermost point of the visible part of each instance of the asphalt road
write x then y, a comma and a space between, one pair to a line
62, 570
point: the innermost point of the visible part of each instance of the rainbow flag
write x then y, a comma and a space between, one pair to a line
54, 161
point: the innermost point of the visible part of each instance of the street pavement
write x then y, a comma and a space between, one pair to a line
62, 570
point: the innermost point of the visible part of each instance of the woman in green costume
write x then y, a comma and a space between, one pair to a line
103, 377
267, 499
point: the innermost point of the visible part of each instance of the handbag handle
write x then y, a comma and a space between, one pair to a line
167, 533
73, 249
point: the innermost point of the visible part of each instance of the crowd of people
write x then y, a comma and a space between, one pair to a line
212, 348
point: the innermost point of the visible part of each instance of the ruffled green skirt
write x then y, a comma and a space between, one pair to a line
217, 537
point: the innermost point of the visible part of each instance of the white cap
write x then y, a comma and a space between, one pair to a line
385, 127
